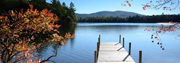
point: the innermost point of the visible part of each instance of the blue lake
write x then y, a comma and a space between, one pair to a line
81, 48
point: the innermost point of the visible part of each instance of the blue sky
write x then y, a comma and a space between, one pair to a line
91, 6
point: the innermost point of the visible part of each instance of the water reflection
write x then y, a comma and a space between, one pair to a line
81, 48
67, 28
53, 48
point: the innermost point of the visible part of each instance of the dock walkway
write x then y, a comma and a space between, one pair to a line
112, 52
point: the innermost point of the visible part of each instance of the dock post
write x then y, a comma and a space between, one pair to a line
140, 56
95, 56
130, 48
98, 45
99, 39
123, 41
119, 38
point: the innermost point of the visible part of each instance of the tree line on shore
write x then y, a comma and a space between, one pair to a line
133, 19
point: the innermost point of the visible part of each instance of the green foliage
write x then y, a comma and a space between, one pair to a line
7, 5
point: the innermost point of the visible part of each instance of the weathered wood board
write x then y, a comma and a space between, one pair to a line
113, 52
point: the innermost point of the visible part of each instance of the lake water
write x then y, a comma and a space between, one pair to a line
81, 48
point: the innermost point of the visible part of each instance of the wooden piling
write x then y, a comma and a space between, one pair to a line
119, 38
98, 45
140, 56
123, 42
99, 39
129, 48
95, 56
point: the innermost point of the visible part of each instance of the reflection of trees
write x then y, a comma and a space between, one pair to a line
45, 47
106, 28
55, 46
67, 28
55, 50
72, 41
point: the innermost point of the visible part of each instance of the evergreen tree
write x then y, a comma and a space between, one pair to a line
64, 4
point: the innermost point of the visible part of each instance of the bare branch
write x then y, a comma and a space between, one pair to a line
164, 4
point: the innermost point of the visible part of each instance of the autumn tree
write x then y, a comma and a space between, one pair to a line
22, 33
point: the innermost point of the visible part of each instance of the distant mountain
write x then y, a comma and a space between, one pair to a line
108, 13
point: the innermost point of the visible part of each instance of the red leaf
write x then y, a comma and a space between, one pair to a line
178, 35
2, 17
163, 32
144, 8
57, 26
152, 29
129, 5
56, 18
127, 1
32, 38
65, 42
21, 9
35, 11
162, 25
31, 6
29, 40
157, 39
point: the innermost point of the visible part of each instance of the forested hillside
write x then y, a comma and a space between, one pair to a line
122, 14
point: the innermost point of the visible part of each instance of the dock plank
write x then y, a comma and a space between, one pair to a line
113, 52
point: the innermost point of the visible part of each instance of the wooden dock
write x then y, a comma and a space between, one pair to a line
112, 52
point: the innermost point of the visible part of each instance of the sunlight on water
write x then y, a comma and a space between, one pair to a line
111, 24
165, 23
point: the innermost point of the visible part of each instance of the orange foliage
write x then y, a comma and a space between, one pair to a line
68, 35
22, 28
2, 17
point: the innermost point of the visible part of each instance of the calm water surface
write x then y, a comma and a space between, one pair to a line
81, 48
